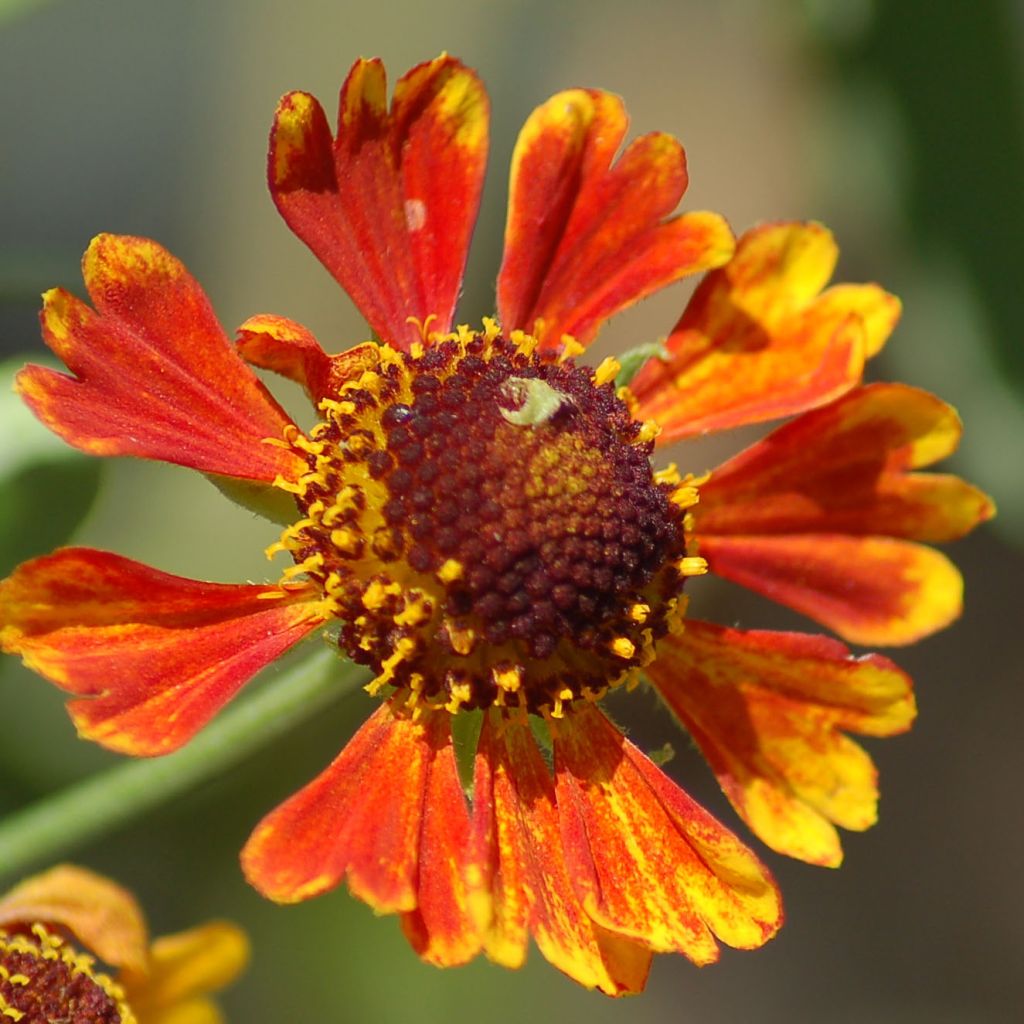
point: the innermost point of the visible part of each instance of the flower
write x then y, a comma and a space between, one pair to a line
56, 925
479, 520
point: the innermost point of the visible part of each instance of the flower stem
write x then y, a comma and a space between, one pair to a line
46, 830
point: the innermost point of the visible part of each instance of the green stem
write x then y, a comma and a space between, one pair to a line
47, 830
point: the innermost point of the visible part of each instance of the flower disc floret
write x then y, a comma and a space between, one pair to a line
43, 979
485, 523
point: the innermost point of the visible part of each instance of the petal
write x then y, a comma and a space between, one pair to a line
870, 590
755, 343
154, 374
585, 239
841, 469
283, 346
104, 917
520, 885
192, 1011
286, 347
440, 929
767, 709
388, 206
365, 819
647, 861
185, 965
156, 656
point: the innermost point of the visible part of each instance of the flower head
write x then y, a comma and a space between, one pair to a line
479, 521
54, 927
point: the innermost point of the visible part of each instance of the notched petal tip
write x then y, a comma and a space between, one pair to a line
769, 711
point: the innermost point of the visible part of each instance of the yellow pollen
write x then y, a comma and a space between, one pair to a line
508, 679
570, 348
622, 647
607, 371
648, 431
685, 496
451, 571
693, 565
414, 614
668, 475
348, 542
377, 593
640, 612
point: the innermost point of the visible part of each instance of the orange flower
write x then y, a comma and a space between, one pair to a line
479, 520
55, 926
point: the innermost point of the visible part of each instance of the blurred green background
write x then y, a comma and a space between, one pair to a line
898, 124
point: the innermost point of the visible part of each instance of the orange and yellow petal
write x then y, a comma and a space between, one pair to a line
387, 206
100, 914
586, 238
758, 342
366, 820
843, 469
153, 374
646, 861
152, 656
769, 710
519, 883
874, 591
184, 968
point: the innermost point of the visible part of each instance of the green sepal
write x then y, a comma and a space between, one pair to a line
631, 362
266, 501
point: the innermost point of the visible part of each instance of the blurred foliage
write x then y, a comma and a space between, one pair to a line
47, 486
954, 70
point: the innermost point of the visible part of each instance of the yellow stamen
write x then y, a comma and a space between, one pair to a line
622, 647
607, 371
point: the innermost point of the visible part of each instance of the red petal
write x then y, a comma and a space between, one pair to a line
156, 655
440, 929
842, 469
647, 861
283, 346
389, 205
155, 376
870, 590
520, 885
586, 239
757, 342
767, 710
367, 819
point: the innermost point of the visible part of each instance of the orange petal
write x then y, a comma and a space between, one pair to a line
767, 710
104, 917
647, 861
757, 342
366, 819
585, 239
389, 205
156, 656
519, 882
186, 965
154, 374
842, 469
870, 590
440, 929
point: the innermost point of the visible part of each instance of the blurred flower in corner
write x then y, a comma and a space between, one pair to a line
74, 948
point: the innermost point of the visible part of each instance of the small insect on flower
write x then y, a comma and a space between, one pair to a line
479, 517
58, 928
